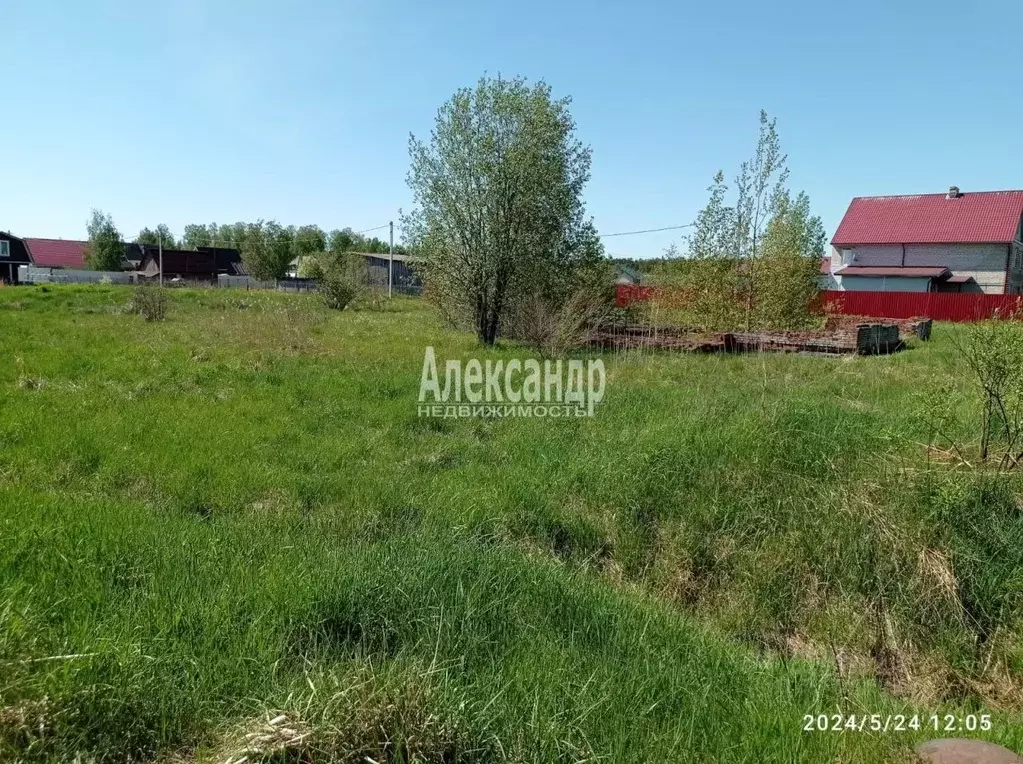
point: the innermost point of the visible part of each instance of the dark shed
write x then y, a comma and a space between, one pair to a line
12, 254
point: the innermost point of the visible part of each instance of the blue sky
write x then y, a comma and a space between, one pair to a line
190, 111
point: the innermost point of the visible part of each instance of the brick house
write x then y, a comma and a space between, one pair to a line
954, 242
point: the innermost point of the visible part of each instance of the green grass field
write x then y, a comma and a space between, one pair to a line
236, 516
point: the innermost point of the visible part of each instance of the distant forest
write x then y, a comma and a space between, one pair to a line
643, 265
304, 240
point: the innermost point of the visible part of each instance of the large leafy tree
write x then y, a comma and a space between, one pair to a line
786, 282
105, 249
498, 188
162, 234
198, 235
267, 248
309, 240
344, 240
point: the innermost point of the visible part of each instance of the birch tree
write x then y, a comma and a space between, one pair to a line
753, 262
760, 180
105, 249
789, 267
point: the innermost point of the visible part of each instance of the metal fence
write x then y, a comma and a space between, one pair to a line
939, 306
282, 285
31, 274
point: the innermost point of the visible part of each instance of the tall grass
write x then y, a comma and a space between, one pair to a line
235, 516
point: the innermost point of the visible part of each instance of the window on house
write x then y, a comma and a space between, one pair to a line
1017, 258
5, 248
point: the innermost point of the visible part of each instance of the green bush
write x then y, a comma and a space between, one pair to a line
149, 302
339, 283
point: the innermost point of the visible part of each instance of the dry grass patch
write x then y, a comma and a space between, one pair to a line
367, 721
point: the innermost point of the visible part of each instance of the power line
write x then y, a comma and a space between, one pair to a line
648, 230
377, 228
220, 241
624, 256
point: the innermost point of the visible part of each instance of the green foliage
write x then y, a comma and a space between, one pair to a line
344, 240
347, 240
643, 265
707, 292
500, 216
786, 282
990, 356
340, 279
162, 235
266, 247
715, 229
754, 263
150, 302
201, 235
309, 240
105, 249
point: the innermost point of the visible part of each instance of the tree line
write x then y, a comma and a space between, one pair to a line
266, 246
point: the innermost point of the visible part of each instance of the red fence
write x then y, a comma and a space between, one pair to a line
941, 306
626, 294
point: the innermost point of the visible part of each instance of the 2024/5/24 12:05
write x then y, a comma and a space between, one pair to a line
896, 722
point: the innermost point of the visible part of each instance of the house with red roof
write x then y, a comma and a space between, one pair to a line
144, 260
954, 242
57, 253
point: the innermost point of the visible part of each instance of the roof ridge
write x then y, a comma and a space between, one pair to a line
48, 238
978, 217
961, 193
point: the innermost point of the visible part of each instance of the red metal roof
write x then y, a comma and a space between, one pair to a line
57, 253
984, 217
825, 266
936, 272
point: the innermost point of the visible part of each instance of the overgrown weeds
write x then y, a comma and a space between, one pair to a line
150, 302
339, 280
765, 526
555, 330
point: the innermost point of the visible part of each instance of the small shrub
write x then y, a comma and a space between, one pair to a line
555, 330
371, 299
989, 358
339, 284
149, 302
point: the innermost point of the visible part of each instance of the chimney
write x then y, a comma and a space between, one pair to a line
953, 192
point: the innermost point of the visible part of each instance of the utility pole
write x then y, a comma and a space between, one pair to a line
160, 234
390, 259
